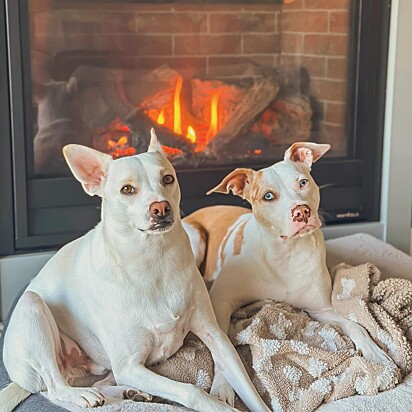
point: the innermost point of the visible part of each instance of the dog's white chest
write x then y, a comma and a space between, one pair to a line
168, 336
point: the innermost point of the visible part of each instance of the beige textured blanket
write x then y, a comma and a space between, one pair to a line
297, 363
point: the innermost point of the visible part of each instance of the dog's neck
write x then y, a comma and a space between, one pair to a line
271, 240
126, 245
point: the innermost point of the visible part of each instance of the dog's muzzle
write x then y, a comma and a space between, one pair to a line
161, 216
303, 222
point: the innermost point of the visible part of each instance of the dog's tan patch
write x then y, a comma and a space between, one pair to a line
238, 240
215, 221
202, 232
258, 190
73, 361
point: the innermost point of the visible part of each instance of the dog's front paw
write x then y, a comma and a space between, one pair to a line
374, 353
136, 395
83, 397
223, 391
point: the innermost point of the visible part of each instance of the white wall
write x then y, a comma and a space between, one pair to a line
397, 173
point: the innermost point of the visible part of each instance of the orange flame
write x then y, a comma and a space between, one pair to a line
213, 128
161, 117
177, 115
200, 131
191, 134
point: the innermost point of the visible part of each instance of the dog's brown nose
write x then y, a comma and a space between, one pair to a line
160, 209
301, 213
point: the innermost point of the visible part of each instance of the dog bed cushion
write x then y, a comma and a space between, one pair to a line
355, 249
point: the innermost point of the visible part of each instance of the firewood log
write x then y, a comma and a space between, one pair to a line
257, 99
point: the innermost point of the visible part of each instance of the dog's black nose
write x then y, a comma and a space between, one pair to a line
160, 210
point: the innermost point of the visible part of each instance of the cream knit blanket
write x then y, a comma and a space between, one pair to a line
297, 363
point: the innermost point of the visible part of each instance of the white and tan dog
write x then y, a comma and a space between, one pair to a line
119, 298
276, 252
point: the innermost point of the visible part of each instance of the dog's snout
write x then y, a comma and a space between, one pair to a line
160, 209
301, 213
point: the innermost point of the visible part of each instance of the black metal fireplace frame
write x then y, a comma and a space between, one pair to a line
61, 203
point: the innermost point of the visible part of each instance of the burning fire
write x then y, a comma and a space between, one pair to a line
161, 117
114, 140
198, 133
177, 113
191, 134
213, 114
121, 148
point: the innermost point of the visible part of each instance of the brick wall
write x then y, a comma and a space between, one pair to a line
215, 40
315, 35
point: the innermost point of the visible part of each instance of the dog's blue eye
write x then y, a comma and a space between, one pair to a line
269, 196
303, 183
168, 179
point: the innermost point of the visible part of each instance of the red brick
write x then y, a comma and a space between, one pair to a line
304, 21
336, 136
261, 43
337, 68
339, 22
293, 4
237, 66
332, 91
207, 7
242, 22
171, 23
327, 4
57, 43
291, 43
329, 45
187, 66
316, 66
46, 22
260, 6
205, 45
140, 45
104, 23
335, 113
277, 22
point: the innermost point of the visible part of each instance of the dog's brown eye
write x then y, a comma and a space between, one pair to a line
168, 179
127, 190
303, 183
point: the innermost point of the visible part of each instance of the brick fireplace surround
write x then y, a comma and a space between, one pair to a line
216, 40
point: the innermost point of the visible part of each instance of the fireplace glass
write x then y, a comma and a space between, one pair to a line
223, 83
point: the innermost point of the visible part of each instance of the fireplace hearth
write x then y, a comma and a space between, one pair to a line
225, 84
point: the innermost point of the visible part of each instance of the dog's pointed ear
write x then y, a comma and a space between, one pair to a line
88, 166
239, 182
155, 145
306, 152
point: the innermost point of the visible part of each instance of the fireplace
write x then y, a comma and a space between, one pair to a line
224, 83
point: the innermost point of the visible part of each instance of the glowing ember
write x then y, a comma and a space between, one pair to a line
177, 114
191, 134
120, 148
172, 151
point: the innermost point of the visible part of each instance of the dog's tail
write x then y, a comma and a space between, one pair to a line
11, 396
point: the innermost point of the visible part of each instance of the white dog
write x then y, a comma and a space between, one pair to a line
119, 298
276, 252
